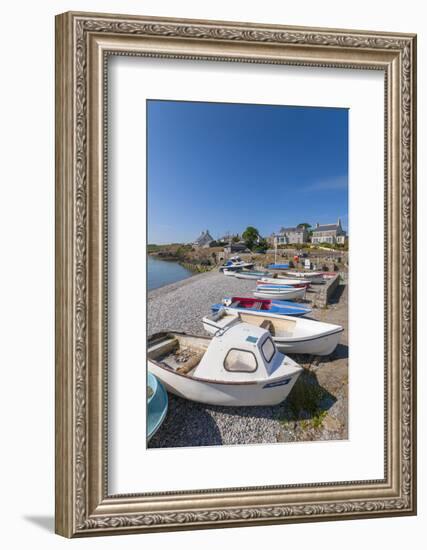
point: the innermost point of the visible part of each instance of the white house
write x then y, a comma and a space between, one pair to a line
332, 233
291, 235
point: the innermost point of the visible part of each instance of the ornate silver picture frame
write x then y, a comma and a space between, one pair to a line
84, 506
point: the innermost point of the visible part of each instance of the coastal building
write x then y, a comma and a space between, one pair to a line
332, 233
203, 240
291, 235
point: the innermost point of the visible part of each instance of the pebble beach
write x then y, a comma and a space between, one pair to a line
181, 306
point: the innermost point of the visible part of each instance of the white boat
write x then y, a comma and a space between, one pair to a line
312, 276
283, 281
269, 293
290, 334
239, 366
235, 263
250, 274
229, 272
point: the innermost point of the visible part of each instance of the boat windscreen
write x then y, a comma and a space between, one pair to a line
268, 349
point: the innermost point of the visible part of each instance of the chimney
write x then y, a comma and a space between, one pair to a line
317, 225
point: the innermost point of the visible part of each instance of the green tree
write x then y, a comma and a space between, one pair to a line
250, 236
306, 225
261, 246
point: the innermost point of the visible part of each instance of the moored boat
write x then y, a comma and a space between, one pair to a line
313, 277
290, 334
251, 274
239, 366
263, 307
278, 266
280, 293
283, 281
236, 263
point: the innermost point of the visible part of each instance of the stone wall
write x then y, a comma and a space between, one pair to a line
325, 291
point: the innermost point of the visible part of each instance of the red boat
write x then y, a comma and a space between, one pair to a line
272, 306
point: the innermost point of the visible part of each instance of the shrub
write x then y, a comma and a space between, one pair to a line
205, 261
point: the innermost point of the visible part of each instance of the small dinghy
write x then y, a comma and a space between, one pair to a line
235, 264
251, 274
283, 281
278, 266
313, 277
276, 292
157, 405
290, 334
262, 307
239, 366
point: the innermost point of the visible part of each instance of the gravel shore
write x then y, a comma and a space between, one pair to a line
181, 306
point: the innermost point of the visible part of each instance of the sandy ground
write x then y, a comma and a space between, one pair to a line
316, 409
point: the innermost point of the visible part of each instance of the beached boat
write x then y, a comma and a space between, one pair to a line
236, 263
290, 334
251, 274
278, 266
157, 405
239, 366
313, 277
273, 292
263, 307
283, 281
229, 272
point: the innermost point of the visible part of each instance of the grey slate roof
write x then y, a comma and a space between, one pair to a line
204, 238
291, 230
327, 227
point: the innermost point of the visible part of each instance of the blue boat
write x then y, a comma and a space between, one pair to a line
278, 266
280, 307
157, 405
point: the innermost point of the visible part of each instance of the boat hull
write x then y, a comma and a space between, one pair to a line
279, 307
249, 275
311, 277
317, 343
157, 406
299, 283
259, 393
278, 267
291, 294
237, 267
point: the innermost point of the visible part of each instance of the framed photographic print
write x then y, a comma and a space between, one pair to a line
235, 274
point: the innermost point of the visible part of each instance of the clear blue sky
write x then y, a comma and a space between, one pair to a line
223, 167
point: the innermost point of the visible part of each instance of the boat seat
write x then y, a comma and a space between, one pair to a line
268, 325
190, 364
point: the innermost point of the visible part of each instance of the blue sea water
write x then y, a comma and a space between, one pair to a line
163, 272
